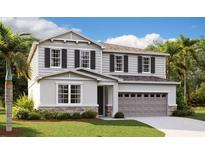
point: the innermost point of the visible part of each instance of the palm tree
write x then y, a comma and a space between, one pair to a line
186, 58
13, 47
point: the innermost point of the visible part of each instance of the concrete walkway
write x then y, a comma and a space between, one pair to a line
175, 126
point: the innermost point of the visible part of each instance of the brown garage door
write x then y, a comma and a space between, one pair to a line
143, 104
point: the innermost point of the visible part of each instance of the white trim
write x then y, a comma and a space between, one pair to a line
89, 61
101, 67
149, 64
69, 40
71, 31
69, 78
136, 52
71, 105
69, 92
60, 57
119, 55
150, 82
143, 91
69, 48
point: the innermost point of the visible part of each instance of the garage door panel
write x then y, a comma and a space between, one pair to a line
143, 104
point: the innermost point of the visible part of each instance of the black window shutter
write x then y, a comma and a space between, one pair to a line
64, 58
47, 57
125, 63
139, 64
92, 57
112, 63
152, 64
77, 58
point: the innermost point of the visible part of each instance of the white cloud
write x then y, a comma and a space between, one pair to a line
134, 41
39, 27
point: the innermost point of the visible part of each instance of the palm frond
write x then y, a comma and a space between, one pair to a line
22, 67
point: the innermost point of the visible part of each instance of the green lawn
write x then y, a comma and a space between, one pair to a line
199, 113
78, 128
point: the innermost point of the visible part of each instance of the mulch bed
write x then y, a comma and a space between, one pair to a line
15, 132
82, 119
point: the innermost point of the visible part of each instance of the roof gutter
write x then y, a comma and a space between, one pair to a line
151, 82
138, 52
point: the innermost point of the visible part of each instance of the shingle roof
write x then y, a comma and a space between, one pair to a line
140, 78
125, 49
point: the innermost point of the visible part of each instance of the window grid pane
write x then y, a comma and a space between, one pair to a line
55, 58
118, 63
75, 94
146, 64
62, 93
85, 59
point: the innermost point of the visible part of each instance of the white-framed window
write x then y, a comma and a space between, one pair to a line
75, 92
55, 58
63, 93
85, 58
146, 64
69, 94
118, 63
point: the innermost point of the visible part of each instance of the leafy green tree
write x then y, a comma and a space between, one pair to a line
13, 49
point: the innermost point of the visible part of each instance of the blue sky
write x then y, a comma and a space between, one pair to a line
103, 28
134, 32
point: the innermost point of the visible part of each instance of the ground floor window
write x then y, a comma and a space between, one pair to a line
69, 94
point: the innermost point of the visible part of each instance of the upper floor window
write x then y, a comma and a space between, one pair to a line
55, 58
85, 59
146, 64
118, 63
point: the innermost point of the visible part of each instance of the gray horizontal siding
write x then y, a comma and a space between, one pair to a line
70, 61
133, 66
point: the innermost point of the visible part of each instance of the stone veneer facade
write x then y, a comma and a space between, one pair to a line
171, 109
108, 111
70, 109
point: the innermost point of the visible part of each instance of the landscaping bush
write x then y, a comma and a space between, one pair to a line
62, 116
89, 114
49, 115
119, 115
34, 116
76, 115
2, 103
20, 113
25, 102
183, 113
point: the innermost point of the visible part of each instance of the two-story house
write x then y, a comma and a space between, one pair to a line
73, 73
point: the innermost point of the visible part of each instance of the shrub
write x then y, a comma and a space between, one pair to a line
49, 115
2, 103
76, 115
62, 116
119, 115
25, 102
34, 116
183, 113
20, 113
89, 114
181, 105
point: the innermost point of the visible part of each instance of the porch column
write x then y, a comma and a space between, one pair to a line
115, 98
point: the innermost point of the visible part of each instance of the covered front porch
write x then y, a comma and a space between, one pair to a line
107, 98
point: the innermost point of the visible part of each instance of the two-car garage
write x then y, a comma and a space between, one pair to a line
142, 104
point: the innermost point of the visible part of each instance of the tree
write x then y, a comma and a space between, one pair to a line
183, 57
186, 58
13, 47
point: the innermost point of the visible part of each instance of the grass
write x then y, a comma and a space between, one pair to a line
82, 128
199, 113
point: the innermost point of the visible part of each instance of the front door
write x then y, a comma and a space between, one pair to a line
100, 100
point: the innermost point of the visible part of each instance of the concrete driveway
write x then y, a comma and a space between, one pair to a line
175, 126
